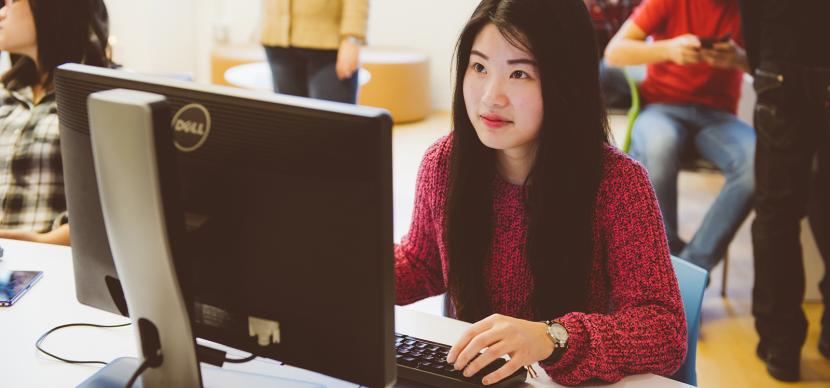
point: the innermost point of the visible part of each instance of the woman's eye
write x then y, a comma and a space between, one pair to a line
478, 68
519, 74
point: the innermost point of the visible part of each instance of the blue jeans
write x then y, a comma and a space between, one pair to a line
309, 73
661, 134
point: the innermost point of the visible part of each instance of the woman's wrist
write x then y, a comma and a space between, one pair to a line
353, 39
549, 345
557, 338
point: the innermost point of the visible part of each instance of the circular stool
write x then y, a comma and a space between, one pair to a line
399, 83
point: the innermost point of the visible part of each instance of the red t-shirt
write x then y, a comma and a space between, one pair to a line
698, 83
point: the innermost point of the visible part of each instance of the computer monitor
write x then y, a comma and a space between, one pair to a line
288, 210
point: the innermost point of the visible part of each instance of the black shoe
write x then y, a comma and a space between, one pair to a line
824, 344
784, 367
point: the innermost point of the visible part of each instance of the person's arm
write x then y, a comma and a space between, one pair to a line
418, 270
353, 24
645, 331
59, 236
629, 47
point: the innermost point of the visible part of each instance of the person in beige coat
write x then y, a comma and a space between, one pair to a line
313, 46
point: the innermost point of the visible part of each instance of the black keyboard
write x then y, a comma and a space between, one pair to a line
425, 362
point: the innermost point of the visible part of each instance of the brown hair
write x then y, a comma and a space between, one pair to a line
67, 31
566, 171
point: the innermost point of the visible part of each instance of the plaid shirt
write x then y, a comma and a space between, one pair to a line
31, 172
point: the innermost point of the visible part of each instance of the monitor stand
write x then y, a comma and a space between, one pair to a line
130, 131
117, 372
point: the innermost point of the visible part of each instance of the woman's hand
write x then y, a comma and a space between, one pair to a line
348, 56
525, 342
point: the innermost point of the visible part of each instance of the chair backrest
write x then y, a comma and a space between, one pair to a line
692, 282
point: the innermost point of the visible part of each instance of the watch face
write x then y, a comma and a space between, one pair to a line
559, 332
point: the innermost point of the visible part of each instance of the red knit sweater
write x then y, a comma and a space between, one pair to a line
634, 322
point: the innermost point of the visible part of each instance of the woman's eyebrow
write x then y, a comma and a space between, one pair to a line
479, 53
522, 61
525, 61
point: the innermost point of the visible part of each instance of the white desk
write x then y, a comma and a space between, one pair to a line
52, 302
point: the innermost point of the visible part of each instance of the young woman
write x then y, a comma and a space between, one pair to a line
40, 35
525, 213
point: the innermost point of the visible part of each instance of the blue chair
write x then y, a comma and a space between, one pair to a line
692, 282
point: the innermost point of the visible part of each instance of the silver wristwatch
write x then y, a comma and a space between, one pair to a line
559, 335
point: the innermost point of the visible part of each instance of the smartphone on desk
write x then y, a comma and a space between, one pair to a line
13, 284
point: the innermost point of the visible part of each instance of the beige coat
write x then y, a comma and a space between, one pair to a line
317, 24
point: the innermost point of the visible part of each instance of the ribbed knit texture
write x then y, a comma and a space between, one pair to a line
634, 322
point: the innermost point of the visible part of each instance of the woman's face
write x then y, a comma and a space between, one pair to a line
17, 28
503, 93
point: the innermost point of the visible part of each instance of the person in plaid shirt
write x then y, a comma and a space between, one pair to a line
40, 35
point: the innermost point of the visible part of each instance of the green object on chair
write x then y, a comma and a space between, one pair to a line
633, 111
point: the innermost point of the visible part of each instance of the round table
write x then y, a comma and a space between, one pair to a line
257, 76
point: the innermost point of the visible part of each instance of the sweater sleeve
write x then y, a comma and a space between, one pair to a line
418, 269
355, 18
644, 330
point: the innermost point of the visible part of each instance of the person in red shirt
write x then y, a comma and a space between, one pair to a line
538, 229
695, 69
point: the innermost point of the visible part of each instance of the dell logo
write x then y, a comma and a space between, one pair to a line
191, 126
188, 126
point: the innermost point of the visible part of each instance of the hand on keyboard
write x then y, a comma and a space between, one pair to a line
426, 362
525, 342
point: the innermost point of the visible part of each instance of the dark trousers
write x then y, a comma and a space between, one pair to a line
309, 73
792, 173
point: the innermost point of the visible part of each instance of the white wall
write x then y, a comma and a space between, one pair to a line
430, 26
155, 36
164, 36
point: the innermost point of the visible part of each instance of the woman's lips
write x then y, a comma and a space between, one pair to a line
494, 121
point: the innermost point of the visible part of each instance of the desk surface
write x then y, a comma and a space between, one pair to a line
52, 302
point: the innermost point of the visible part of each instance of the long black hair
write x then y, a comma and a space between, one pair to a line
562, 185
67, 31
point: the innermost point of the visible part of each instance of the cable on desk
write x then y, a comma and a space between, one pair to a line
218, 357
141, 368
52, 330
240, 360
